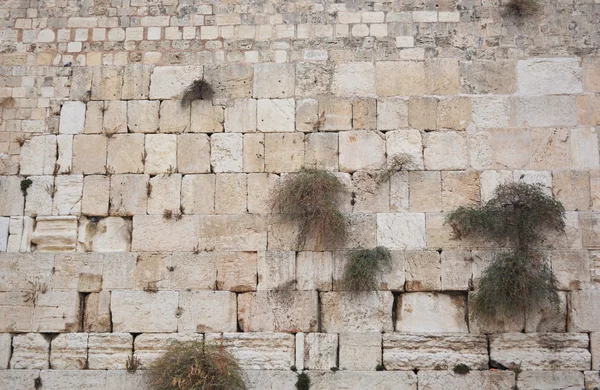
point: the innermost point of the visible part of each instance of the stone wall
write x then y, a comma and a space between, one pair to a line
148, 222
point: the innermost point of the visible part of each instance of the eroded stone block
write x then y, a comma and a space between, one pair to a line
109, 351
356, 312
226, 154
431, 312
207, 311
360, 351
167, 82
475, 380
38, 156
30, 351
237, 271
141, 311
361, 150
549, 76
69, 351
154, 233
55, 234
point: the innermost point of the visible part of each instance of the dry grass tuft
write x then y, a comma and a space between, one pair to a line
198, 90
195, 365
310, 198
397, 164
364, 267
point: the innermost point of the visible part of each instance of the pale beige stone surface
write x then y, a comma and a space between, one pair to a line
96, 191
334, 115
165, 194
128, 194
475, 380
76, 379
422, 113
273, 80
488, 77
431, 313
141, 311
276, 270
167, 82
10, 188
356, 312
583, 311
115, 117
57, 311
321, 151
109, 351
226, 152
445, 151
22, 379
316, 351
307, 115
193, 271
425, 191
278, 311
89, 154
284, 152
54, 234
198, 194
275, 115
207, 311
254, 152
354, 79
97, 312
154, 233
160, 153
549, 76
69, 351
270, 380
173, 117
38, 155
126, 153
231, 193
365, 114
402, 78
240, 116
67, 198
237, 271
364, 380
142, 116
314, 271
243, 232
112, 234
136, 81
5, 350
151, 346
360, 150
359, 351
423, 270
539, 380
30, 351
205, 117
72, 118
401, 231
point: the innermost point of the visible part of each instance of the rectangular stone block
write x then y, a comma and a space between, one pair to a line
198, 194
240, 232
361, 150
226, 152
151, 346
10, 189
405, 144
141, 311
57, 311
126, 153
5, 350
160, 153
488, 77
193, 153
584, 311
96, 191
445, 151
168, 82
276, 270
434, 351
475, 380
284, 152
129, 194
530, 380
400, 78
368, 311
65, 379
173, 117
549, 76
38, 156
67, 198
71, 269
30, 351
16, 315
230, 80
107, 82
72, 117
541, 351
364, 380
334, 115
109, 351
193, 271
136, 81
273, 80
207, 311
231, 192
97, 312
154, 233
240, 116
142, 116
316, 351
237, 271
275, 115
321, 151
545, 111
359, 351
119, 271
18, 379
165, 194
401, 231
431, 312
69, 351
314, 271
254, 351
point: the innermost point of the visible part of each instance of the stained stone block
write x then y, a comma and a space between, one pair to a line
232, 80
549, 76
475, 380
231, 192
165, 194
10, 190
206, 118
77, 379
284, 152
72, 118
488, 77
15, 314
112, 234
154, 233
109, 351
321, 151
226, 154
69, 351
70, 269
57, 311
198, 194
275, 115
278, 311
154, 312
260, 190
307, 115
442, 76
316, 351
270, 380
119, 271
136, 81
492, 112
401, 231
94, 117
535, 380
89, 154
431, 313
434, 351
584, 148
545, 111
400, 78
314, 271
591, 81
363, 380
96, 189
126, 153
161, 153
361, 150
354, 79
313, 78
168, 82
151, 271
589, 110
115, 117
425, 191
97, 312
422, 113
356, 312
460, 189
38, 156
107, 83
359, 351
405, 143
30, 351
445, 151
55, 234
128, 194
365, 114
584, 311
39, 200
274, 80
334, 115
245, 232
392, 114
454, 113
541, 351
151, 346
276, 270
193, 271
5, 350
237, 271
423, 270
142, 116
207, 311
254, 152
174, 118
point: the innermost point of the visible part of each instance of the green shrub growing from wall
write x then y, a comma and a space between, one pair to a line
364, 268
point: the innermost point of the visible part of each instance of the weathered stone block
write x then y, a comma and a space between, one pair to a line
278, 311
142, 116
475, 380
307, 115
39, 200
107, 82
492, 111
434, 351
545, 111
276, 270
174, 118
167, 82
18, 379
38, 156
240, 116
126, 153
460, 189
241, 232
112, 234
314, 271
5, 350
97, 312
193, 271
254, 152
422, 113
488, 77
109, 351
584, 148
128, 194
154, 233
237, 271
206, 118
400, 78
431, 313
442, 76
151, 346
321, 151
274, 80
165, 194
313, 78
541, 351
401, 231
71, 269
231, 193
284, 152
537, 380
76, 379
115, 117
207, 311
151, 272
232, 80
445, 151
363, 380
365, 114
226, 153
69, 351
334, 115
30, 351
360, 150
198, 194
584, 311
136, 81
425, 191
72, 118
10, 189
423, 270
260, 190
454, 113
96, 190
356, 312
359, 351
119, 271
89, 154
276, 115
94, 117
153, 312
57, 311
354, 79
405, 143
316, 351
368, 194
270, 380
549, 76
55, 234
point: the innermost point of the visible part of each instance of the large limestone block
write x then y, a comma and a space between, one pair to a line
359, 351
10, 191
545, 111
442, 76
313, 78
361, 150
237, 271
314, 271
316, 351
119, 271
198, 194
72, 118
193, 153
549, 76
30, 351
16, 315
112, 234
475, 380
454, 113
207, 311
434, 351
423, 270
356, 311
590, 229
233, 80
67, 198
401, 231
422, 113
307, 115
107, 83
240, 116
128, 194
66, 380
89, 154
595, 349
38, 156
491, 111
4, 225
231, 193
275, 115
5, 350
276, 270
136, 81
260, 189
173, 117
55, 234
74, 269
126, 153
143, 116
405, 143
109, 351
39, 200
141, 311
383, 380
571, 268
550, 149
274, 80
254, 152
541, 351
445, 151
584, 148
226, 152
425, 191
57, 311
284, 152
270, 380
168, 82
589, 110
154, 233
97, 312
160, 153
18, 379
257, 351
488, 77
278, 311
151, 346
321, 151
124, 380
354, 79
81, 81
69, 351
65, 153
241, 232
456, 270
368, 194
94, 117
584, 311
165, 194
365, 113
115, 117
193, 271
542, 380
421, 312
400, 78
96, 195
460, 189
151, 271
334, 114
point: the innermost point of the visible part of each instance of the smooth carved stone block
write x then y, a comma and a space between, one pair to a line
434, 351
57, 311
128, 194
254, 152
165, 194
488, 77
160, 153
226, 153
67, 198
143, 116
541, 351
18, 379
96, 193
354, 79
38, 156
198, 194
167, 82
15, 314
274, 80
89, 154
316, 351
30, 351
174, 118
69, 351
112, 234
206, 118
276, 115
334, 115
5, 350
425, 191
72, 118
154, 233
71, 269
140, 311
109, 351
363, 380
361, 150
401, 231
230, 80
55, 234
233, 232
278, 311
445, 151
365, 114
65, 379
400, 78
207, 311
10, 189
284, 152
314, 271
136, 81
431, 313
231, 193
237, 271
534, 380
392, 113
545, 111
240, 116
107, 82
126, 153
257, 351
264, 380
151, 346
584, 311
356, 312
549, 76
276, 270
193, 271
359, 351
475, 380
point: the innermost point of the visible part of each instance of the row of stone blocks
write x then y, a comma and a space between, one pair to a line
312, 351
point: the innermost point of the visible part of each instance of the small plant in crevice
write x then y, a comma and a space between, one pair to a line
37, 383
518, 281
25, 184
364, 267
380, 367
310, 199
522, 8
195, 365
21, 140
132, 364
151, 287
168, 214
303, 382
34, 291
397, 164
461, 369
198, 90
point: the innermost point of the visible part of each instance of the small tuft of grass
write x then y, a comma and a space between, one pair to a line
198, 90
310, 198
522, 8
37, 383
293, 368
195, 365
380, 367
132, 364
461, 369
25, 184
168, 214
303, 382
397, 164
364, 267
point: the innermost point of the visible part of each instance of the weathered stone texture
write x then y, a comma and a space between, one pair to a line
431, 312
475, 380
278, 311
356, 312
141, 311
30, 351
207, 311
